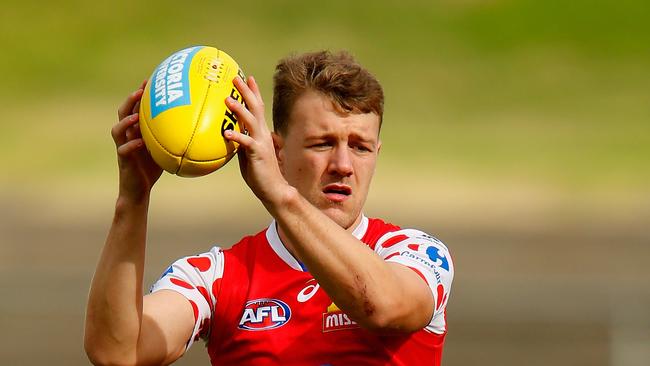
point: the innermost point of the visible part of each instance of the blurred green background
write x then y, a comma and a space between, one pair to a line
516, 131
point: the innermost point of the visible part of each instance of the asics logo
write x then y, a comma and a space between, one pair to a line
309, 291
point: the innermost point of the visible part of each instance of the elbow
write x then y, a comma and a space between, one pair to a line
100, 359
96, 356
93, 352
376, 316
394, 316
102, 356
384, 324
104, 347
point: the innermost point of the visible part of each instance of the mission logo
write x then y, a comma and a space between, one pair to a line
335, 319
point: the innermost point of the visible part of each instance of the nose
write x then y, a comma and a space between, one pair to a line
341, 162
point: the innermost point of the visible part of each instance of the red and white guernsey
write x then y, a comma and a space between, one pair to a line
255, 304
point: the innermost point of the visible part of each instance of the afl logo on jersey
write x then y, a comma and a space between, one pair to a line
264, 314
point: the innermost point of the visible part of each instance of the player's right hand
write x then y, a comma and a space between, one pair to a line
257, 160
138, 172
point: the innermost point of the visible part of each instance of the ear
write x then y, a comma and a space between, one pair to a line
278, 144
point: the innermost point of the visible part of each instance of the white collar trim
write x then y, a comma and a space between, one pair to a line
361, 229
278, 247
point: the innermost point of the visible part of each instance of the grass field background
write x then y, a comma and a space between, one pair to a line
548, 91
515, 130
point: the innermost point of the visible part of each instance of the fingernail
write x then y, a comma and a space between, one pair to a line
135, 116
227, 133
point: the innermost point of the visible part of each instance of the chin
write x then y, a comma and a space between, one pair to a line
344, 220
341, 213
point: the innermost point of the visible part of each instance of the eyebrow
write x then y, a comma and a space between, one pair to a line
353, 137
363, 139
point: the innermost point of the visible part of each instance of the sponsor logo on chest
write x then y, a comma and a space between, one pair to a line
335, 319
264, 314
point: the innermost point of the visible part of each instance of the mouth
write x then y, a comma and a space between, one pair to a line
337, 192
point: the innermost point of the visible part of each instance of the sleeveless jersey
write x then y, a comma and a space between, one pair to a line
255, 304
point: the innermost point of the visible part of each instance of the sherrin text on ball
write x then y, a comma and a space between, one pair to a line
183, 114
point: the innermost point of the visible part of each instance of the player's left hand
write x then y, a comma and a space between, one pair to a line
257, 159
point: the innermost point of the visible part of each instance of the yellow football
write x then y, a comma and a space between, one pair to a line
183, 113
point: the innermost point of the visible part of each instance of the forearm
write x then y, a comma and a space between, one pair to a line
114, 312
355, 278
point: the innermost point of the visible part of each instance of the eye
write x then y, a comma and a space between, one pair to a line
361, 148
320, 145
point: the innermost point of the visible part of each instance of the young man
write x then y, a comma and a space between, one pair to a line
322, 285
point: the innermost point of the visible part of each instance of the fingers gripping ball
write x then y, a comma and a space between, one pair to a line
183, 114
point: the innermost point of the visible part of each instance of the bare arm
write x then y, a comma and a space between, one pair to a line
379, 295
122, 327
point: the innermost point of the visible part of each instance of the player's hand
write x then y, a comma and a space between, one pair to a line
138, 172
257, 160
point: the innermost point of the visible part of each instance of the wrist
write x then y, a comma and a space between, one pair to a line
285, 196
125, 204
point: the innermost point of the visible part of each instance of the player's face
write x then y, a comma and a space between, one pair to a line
330, 156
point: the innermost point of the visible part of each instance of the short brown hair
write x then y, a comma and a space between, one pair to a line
337, 75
